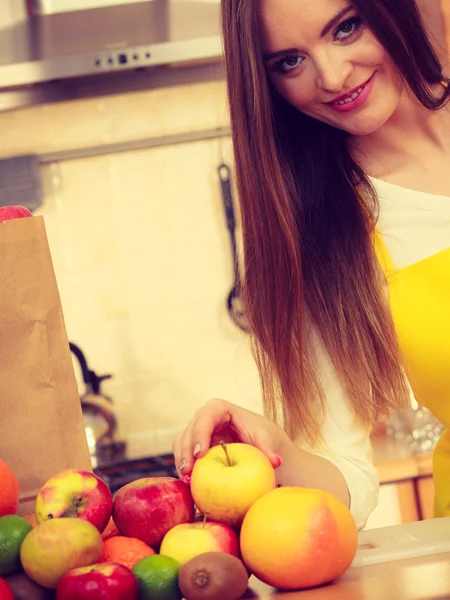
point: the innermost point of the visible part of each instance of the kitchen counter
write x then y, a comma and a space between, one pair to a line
426, 578
406, 478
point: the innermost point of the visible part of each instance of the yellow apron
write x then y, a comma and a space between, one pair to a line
420, 303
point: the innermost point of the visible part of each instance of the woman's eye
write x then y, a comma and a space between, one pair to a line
289, 63
347, 29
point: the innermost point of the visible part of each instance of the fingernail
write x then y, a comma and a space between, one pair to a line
279, 461
197, 449
182, 464
187, 479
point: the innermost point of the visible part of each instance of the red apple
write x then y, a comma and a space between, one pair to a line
147, 508
75, 493
7, 213
5, 591
188, 540
109, 581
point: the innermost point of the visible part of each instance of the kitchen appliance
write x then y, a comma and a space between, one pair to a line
98, 413
49, 44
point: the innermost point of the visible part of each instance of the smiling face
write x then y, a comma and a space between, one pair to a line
323, 59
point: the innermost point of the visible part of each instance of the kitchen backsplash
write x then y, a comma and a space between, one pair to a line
141, 250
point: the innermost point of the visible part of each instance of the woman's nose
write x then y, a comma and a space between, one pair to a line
332, 73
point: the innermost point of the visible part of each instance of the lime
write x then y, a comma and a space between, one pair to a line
157, 577
13, 530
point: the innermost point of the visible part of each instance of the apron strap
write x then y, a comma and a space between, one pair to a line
383, 254
381, 251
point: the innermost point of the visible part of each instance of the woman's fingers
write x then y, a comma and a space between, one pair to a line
215, 417
182, 452
218, 416
218, 420
195, 440
275, 460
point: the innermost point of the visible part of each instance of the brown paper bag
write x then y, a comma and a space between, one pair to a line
41, 423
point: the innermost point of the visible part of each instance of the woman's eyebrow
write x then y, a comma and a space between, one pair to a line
331, 23
335, 20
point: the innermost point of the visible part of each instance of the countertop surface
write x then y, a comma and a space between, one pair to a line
426, 578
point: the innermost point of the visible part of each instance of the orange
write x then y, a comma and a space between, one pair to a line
296, 538
126, 551
9, 490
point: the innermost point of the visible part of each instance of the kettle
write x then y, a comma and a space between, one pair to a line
98, 413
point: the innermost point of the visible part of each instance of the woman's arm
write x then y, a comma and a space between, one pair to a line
341, 465
344, 464
347, 472
314, 472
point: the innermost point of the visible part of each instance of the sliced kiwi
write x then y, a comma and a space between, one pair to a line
213, 576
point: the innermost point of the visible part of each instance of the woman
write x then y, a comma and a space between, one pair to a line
340, 128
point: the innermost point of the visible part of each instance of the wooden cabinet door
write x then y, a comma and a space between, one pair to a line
425, 496
397, 504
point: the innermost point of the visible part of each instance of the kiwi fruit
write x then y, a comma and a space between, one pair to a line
213, 576
24, 588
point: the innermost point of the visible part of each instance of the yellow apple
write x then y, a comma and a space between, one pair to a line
228, 479
187, 540
56, 546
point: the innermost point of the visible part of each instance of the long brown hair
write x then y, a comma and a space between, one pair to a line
308, 213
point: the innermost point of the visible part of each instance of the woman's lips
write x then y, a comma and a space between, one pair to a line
354, 99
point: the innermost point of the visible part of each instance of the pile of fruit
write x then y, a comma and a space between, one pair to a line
160, 538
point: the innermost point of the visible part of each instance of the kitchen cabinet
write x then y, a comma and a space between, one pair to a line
425, 496
397, 504
406, 484
11, 12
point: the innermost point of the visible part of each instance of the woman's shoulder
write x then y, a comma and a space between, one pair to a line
413, 224
398, 191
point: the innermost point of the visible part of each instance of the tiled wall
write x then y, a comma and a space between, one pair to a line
141, 250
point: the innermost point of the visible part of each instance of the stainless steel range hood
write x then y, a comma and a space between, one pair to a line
124, 37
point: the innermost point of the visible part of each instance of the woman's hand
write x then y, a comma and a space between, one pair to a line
220, 420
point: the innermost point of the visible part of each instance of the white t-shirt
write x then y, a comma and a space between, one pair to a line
414, 225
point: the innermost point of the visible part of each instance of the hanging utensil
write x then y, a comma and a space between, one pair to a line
235, 302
